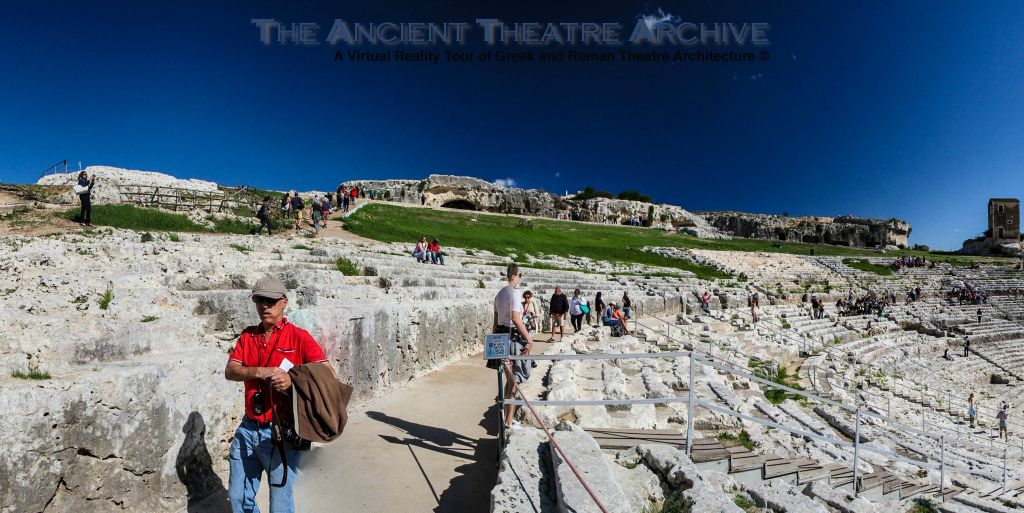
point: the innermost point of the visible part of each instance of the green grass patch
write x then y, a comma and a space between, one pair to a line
743, 439
302, 246
505, 235
130, 217
674, 502
347, 267
864, 265
240, 248
766, 369
10, 291
743, 502
174, 237
33, 375
923, 505
149, 318
106, 298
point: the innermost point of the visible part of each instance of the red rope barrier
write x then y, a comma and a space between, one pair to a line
508, 372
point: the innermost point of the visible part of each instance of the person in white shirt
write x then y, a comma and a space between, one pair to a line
508, 318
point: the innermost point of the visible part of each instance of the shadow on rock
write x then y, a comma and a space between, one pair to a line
195, 470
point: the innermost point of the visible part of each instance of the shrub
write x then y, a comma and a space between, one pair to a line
589, 193
480, 284
33, 375
923, 505
149, 318
634, 196
240, 248
302, 246
174, 237
107, 297
346, 267
146, 237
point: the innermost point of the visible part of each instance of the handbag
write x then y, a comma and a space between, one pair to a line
585, 309
81, 189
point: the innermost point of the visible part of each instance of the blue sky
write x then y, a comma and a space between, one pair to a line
878, 109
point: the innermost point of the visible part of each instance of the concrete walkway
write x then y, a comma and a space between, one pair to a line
429, 446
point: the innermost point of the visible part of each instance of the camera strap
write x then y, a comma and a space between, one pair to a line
276, 430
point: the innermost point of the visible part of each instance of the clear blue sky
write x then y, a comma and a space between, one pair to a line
910, 110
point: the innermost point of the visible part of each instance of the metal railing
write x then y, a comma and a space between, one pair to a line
888, 409
693, 402
60, 167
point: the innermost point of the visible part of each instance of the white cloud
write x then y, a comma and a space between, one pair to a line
794, 56
756, 76
505, 182
558, 175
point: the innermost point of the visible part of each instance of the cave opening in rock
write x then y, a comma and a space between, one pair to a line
460, 204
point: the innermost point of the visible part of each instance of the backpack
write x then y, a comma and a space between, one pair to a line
297, 203
617, 330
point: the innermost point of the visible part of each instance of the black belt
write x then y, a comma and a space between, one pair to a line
503, 329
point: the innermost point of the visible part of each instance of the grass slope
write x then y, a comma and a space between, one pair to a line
505, 235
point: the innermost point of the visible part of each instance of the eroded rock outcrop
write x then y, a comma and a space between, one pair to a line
842, 230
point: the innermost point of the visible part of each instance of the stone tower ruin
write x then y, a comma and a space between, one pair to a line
1004, 218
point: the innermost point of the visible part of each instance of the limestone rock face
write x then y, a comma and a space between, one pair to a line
136, 414
475, 194
108, 179
842, 230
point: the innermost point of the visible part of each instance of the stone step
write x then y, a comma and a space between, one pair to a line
585, 453
627, 438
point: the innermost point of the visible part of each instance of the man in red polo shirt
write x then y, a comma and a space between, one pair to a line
261, 359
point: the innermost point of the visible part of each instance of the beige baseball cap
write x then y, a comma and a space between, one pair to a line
269, 286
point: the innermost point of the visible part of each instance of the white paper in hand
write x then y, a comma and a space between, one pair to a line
286, 365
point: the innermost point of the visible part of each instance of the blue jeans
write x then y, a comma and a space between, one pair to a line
252, 454
609, 322
437, 258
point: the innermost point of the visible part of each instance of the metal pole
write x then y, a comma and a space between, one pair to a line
856, 452
501, 409
1004, 470
691, 405
942, 465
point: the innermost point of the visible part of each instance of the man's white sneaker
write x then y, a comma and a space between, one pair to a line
515, 425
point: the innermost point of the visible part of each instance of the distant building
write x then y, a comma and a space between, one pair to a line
1004, 218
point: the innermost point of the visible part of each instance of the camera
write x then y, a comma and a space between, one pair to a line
297, 442
257, 402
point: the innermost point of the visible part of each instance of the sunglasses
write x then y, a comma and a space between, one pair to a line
266, 301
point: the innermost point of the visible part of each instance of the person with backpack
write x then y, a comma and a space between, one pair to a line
315, 215
263, 214
508, 318
297, 206
286, 205
576, 306
325, 210
354, 194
